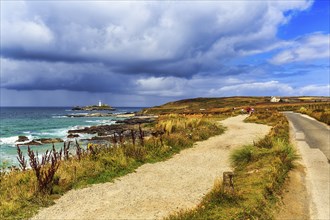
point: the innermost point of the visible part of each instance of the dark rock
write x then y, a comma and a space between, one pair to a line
49, 140
76, 116
22, 139
90, 115
77, 108
33, 142
137, 120
122, 128
73, 136
101, 129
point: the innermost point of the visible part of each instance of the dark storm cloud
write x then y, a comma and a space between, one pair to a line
22, 54
20, 75
87, 82
128, 47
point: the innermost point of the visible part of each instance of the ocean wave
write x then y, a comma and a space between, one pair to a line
59, 116
122, 112
12, 140
53, 133
104, 121
58, 132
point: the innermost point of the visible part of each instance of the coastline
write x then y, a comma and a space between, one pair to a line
41, 123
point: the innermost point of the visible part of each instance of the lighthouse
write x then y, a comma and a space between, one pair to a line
100, 103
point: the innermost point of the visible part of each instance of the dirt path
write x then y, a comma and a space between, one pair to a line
156, 190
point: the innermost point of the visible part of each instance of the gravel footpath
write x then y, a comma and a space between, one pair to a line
156, 190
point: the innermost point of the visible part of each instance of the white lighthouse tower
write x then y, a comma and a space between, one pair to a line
100, 103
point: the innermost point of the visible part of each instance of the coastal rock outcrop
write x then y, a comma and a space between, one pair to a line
101, 130
103, 107
122, 128
137, 120
31, 143
90, 115
73, 136
49, 140
22, 139
41, 141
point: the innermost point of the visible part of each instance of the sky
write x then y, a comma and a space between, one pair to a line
147, 53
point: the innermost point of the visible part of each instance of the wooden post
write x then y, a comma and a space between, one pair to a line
228, 182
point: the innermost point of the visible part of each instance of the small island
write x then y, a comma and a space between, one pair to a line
100, 107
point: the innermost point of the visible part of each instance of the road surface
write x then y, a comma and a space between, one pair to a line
315, 133
313, 144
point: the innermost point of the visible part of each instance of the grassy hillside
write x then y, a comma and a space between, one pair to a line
226, 104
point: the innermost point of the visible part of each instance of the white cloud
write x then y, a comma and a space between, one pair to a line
254, 88
317, 90
36, 34
21, 29
270, 88
162, 86
311, 47
135, 31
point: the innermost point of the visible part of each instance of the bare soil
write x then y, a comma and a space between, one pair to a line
295, 198
156, 190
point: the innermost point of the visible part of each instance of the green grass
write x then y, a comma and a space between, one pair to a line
260, 171
19, 197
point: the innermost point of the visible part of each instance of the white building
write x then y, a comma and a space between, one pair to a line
274, 99
100, 103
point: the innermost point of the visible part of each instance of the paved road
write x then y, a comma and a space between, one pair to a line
312, 139
315, 133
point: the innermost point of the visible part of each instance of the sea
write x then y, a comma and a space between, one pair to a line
44, 122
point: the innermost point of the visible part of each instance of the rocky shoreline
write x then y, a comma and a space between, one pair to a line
25, 141
121, 128
103, 133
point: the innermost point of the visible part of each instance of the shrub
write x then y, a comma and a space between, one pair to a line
325, 117
303, 110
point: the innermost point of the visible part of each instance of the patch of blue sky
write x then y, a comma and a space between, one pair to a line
314, 19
